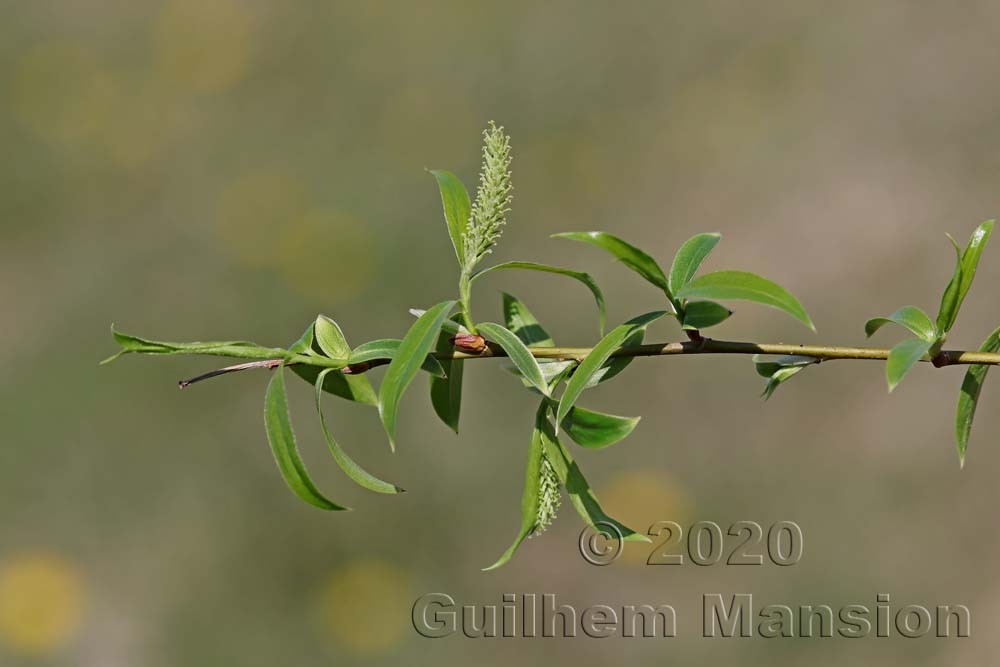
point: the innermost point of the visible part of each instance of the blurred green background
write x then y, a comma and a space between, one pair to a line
226, 170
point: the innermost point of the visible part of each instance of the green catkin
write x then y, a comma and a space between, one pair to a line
548, 497
493, 198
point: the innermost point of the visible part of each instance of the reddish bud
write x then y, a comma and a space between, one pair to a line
469, 343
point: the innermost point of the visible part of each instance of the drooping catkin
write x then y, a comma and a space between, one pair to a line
549, 498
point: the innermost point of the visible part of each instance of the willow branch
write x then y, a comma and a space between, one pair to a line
710, 346
703, 346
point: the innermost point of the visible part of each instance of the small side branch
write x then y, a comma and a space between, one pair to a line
269, 364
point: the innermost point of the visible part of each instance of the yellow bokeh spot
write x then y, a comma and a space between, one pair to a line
328, 256
60, 91
255, 213
204, 47
365, 607
639, 498
41, 603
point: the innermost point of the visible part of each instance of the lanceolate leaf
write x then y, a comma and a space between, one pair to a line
616, 365
748, 287
346, 463
417, 343
524, 324
911, 317
579, 491
235, 348
457, 208
628, 254
781, 375
446, 392
530, 496
304, 345
968, 397
970, 258
355, 388
902, 357
450, 326
965, 271
598, 355
779, 370
555, 371
948, 310
526, 327
595, 430
282, 439
766, 366
576, 275
688, 258
387, 348
330, 339
518, 353
704, 314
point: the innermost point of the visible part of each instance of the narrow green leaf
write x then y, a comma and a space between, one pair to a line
595, 430
902, 357
748, 287
286, 453
518, 353
417, 343
446, 393
381, 348
628, 254
524, 324
234, 348
704, 314
968, 396
598, 355
615, 365
387, 348
970, 257
688, 258
355, 388
457, 208
965, 272
545, 268
304, 345
553, 372
767, 366
346, 463
450, 326
779, 370
911, 317
778, 377
530, 495
330, 339
948, 310
577, 487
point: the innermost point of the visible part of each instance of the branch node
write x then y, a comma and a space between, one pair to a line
356, 369
941, 359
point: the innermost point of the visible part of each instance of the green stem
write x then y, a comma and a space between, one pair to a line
465, 300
